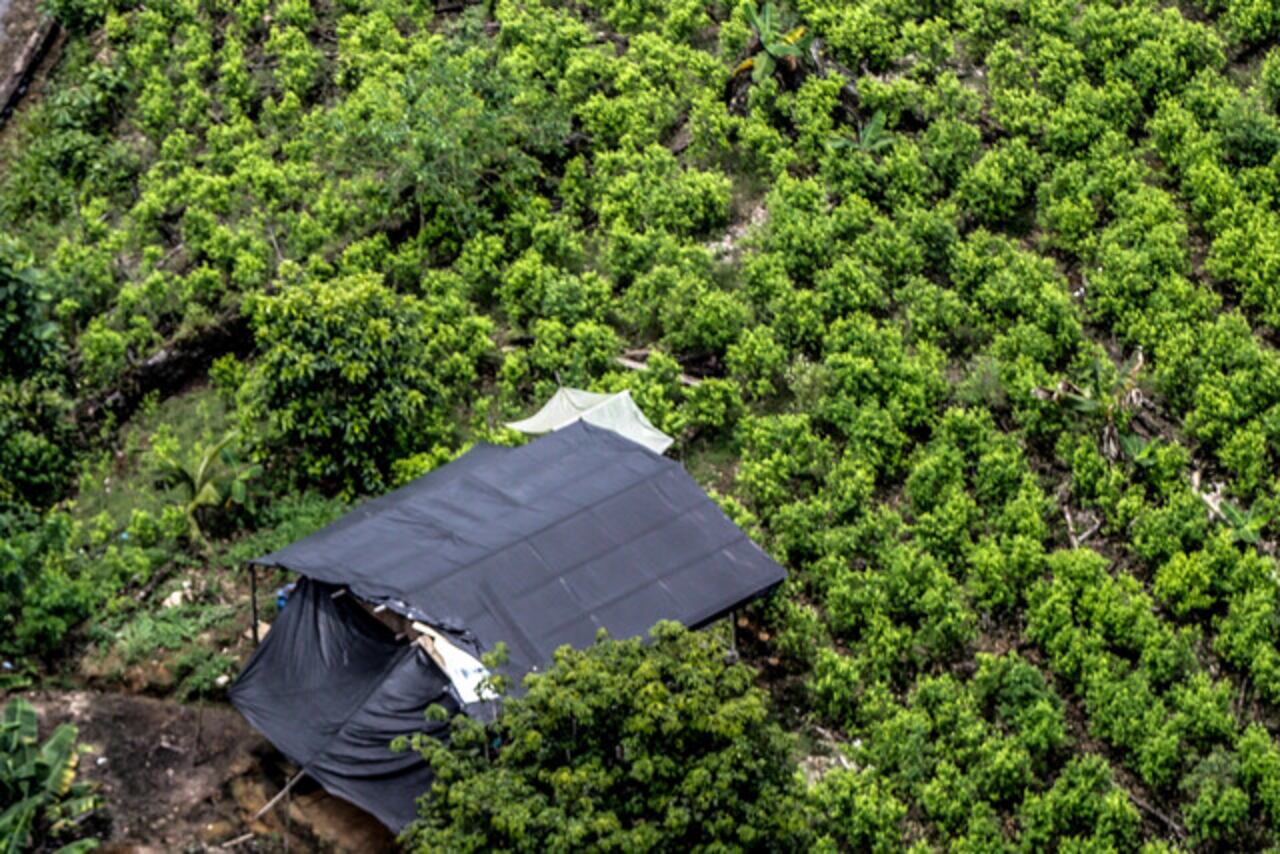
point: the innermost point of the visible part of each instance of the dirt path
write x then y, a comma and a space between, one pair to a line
18, 20
185, 778
29, 48
11, 25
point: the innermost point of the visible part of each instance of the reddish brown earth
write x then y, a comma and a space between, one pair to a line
175, 777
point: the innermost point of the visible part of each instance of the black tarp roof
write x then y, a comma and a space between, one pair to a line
542, 545
536, 546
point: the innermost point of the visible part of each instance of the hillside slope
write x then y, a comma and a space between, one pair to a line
982, 298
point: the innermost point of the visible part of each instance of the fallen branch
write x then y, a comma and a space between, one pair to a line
159, 577
280, 795
1155, 813
181, 360
239, 840
1093, 529
1071, 526
633, 365
1212, 500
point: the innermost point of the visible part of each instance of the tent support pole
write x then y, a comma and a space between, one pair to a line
733, 632
253, 599
280, 795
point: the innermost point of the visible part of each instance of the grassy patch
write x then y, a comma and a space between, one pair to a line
122, 480
182, 648
712, 466
283, 520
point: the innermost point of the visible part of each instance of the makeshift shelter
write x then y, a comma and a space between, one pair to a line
616, 412
534, 547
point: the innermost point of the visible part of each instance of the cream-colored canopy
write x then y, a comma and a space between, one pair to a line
616, 412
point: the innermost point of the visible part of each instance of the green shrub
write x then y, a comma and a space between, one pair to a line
997, 187
353, 377
1084, 803
619, 745
712, 407
27, 331
1250, 137
859, 813
35, 438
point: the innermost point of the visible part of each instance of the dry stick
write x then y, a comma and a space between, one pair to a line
1071, 527
253, 600
1168, 822
232, 843
287, 806
280, 795
170, 255
1093, 529
159, 577
195, 750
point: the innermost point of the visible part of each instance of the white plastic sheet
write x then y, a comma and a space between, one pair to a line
616, 412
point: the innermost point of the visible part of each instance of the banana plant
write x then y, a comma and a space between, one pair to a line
775, 45
209, 476
872, 138
38, 788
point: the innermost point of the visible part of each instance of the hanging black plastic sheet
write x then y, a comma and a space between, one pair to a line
330, 686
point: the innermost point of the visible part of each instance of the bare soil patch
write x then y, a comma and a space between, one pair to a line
178, 777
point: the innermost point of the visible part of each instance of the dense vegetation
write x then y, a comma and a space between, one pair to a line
983, 296
619, 748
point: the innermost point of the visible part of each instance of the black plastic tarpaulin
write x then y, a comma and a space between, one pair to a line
331, 686
534, 547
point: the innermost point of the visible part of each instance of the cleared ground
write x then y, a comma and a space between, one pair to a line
180, 777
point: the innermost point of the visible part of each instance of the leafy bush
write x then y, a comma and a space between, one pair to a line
859, 813
1085, 804
998, 186
619, 745
34, 441
28, 333
353, 377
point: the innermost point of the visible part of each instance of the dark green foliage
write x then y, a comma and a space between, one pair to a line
34, 437
622, 745
28, 332
859, 813
353, 376
1250, 137
79, 15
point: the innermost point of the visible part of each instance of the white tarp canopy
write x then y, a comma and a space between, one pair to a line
616, 412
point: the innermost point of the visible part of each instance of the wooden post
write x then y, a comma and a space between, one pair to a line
253, 599
733, 632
